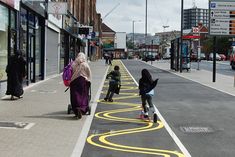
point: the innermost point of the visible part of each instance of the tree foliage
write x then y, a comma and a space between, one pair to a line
222, 45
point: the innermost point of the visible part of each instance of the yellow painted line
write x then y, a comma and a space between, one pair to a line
104, 138
125, 97
89, 140
127, 83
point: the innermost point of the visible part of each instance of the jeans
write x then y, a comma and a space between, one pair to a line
147, 98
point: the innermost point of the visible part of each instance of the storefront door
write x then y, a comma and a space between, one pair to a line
31, 44
31, 55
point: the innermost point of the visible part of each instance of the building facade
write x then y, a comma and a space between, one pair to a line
195, 15
8, 37
47, 41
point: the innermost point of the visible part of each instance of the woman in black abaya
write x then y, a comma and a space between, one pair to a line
15, 73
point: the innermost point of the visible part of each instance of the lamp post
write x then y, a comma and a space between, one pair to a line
133, 32
146, 22
181, 39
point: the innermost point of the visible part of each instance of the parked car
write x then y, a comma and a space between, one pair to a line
157, 57
223, 57
148, 58
218, 58
232, 61
203, 56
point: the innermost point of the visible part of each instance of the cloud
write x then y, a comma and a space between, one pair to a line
160, 12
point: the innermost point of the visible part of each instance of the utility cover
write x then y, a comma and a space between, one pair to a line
196, 129
15, 125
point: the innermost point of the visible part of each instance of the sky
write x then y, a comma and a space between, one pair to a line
160, 13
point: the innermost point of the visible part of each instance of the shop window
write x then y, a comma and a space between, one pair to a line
23, 31
3, 41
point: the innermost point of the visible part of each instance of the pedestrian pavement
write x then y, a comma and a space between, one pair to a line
51, 131
223, 83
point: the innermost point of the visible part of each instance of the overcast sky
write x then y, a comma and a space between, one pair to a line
160, 13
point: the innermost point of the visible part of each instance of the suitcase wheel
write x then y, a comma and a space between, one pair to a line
69, 109
89, 110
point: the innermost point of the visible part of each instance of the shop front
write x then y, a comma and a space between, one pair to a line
53, 32
32, 35
8, 39
70, 43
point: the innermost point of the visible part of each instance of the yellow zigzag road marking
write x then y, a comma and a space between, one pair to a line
122, 93
109, 115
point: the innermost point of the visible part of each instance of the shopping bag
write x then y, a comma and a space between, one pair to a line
117, 90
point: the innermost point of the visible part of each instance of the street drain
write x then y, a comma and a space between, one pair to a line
16, 125
196, 129
101, 131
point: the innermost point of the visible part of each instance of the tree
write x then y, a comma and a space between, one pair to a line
129, 44
222, 45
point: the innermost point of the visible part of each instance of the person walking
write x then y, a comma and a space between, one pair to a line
110, 58
114, 83
146, 90
106, 58
79, 86
15, 73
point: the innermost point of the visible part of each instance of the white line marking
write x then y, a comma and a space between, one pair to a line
78, 149
169, 130
30, 125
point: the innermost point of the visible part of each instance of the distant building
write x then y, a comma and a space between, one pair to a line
195, 15
120, 40
108, 36
113, 42
120, 45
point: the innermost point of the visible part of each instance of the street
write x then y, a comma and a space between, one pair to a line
193, 119
202, 119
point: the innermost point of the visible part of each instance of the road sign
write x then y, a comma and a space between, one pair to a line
222, 5
222, 17
195, 30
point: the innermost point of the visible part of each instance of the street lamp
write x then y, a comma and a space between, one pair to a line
146, 21
181, 39
133, 31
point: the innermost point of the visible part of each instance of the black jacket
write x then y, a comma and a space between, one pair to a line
146, 87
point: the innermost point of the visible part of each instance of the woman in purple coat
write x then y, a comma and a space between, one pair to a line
79, 86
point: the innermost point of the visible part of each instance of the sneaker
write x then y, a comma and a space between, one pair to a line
110, 100
155, 118
105, 99
146, 116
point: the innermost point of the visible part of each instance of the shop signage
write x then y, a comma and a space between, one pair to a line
191, 37
37, 6
57, 20
83, 30
12, 3
195, 30
58, 8
222, 17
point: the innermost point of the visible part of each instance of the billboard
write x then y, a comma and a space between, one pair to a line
108, 43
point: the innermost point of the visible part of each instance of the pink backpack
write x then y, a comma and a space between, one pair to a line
67, 74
